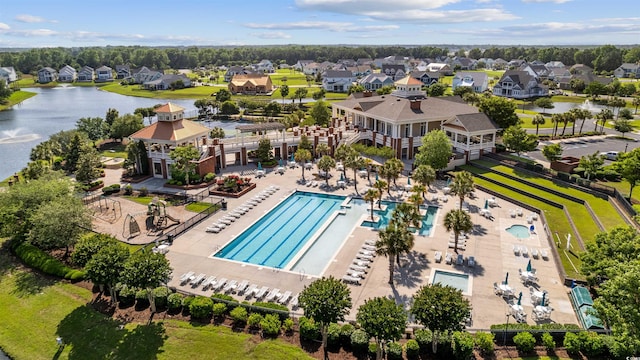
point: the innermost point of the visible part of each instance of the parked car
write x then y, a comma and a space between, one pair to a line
610, 155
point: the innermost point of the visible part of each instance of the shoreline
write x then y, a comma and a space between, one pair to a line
16, 98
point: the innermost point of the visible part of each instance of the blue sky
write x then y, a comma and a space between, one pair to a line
46, 23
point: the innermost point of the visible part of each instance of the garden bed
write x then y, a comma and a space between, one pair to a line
232, 194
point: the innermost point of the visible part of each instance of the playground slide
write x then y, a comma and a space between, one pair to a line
172, 218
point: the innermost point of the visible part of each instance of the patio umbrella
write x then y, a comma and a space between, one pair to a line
408, 180
280, 162
573, 284
292, 158
259, 166
506, 279
341, 177
486, 204
529, 265
376, 176
520, 298
542, 301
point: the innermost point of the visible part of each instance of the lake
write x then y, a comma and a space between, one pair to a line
53, 109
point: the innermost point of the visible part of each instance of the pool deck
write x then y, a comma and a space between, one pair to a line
489, 243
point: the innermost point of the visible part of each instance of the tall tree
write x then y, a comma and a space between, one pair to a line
302, 156
462, 185
88, 166
537, 121
581, 114
556, 119
325, 300
435, 150
391, 242
184, 158
382, 319
636, 103
342, 154
355, 163
284, 92
500, 110
552, 152
544, 103
516, 139
440, 308
146, 270
567, 117
300, 94
619, 245
371, 196
628, 165
95, 127
458, 222
424, 175
320, 113
107, 265
217, 133
623, 126
325, 164
111, 116
125, 125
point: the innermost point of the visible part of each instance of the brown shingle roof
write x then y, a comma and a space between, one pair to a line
169, 108
171, 131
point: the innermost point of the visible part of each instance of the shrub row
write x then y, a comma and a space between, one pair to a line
111, 189
38, 259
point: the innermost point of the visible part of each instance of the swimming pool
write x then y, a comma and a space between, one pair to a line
277, 237
519, 231
456, 280
385, 216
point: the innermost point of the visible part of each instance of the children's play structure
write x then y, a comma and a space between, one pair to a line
156, 219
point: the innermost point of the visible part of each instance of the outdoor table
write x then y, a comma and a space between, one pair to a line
340, 183
446, 190
259, 172
505, 289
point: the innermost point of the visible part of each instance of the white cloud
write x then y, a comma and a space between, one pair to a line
32, 19
32, 33
272, 35
546, 1
444, 17
358, 6
322, 25
4, 26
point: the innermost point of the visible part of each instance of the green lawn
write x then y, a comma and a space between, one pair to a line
117, 151
556, 221
16, 98
142, 200
39, 310
605, 212
197, 206
293, 78
624, 187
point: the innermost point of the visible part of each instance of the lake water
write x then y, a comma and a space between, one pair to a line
55, 109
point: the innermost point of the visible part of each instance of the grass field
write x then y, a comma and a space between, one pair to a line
39, 310
16, 98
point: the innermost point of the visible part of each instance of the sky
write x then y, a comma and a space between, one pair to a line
70, 23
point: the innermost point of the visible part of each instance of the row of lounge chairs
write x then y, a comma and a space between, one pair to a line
236, 213
359, 268
535, 253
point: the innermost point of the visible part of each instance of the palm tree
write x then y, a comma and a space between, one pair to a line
392, 241
342, 154
368, 163
582, 114
407, 214
537, 121
322, 149
457, 221
425, 175
325, 164
567, 117
419, 189
371, 196
462, 185
556, 119
355, 163
416, 199
380, 185
636, 103
604, 115
302, 156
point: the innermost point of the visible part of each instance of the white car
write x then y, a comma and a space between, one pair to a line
610, 155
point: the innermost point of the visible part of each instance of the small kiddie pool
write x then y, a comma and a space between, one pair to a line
519, 231
456, 280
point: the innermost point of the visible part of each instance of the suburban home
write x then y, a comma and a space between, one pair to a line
236, 70
144, 74
337, 80
123, 71
251, 84
360, 71
264, 66
627, 70
478, 81
46, 75
365, 61
499, 64
104, 73
86, 73
558, 74
463, 63
172, 130
401, 119
376, 81
515, 63
538, 70
168, 81
443, 68
517, 84
396, 71
8, 74
426, 77
554, 64
347, 63
300, 64
67, 74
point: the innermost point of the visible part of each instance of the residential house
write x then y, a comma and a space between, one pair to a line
347, 63
376, 81
299, 66
236, 70
400, 121
251, 84
488, 62
518, 84
627, 70
86, 73
499, 64
8, 74
463, 63
170, 131
144, 74
443, 68
538, 70
67, 74
46, 75
167, 81
360, 71
426, 77
104, 73
264, 66
478, 81
515, 63
312, 69
559, 74
337, 80
123, 71
365, 61
396, 60
396, 71
554, 64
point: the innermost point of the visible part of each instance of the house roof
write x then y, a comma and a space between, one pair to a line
171, 131
257, 79
168, 108
337, 74
475, 122
376, 77
408, 80
104, 68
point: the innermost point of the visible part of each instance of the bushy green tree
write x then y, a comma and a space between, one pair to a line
516, 139
382, 319
500, 110
435, 150
320, 113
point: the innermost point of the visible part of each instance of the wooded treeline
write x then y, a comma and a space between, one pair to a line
604, 58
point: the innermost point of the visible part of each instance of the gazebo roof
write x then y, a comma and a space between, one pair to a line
260, 127
171, 131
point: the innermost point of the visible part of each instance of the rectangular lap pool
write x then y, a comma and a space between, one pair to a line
278, 236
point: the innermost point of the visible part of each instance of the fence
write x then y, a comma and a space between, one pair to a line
170, 235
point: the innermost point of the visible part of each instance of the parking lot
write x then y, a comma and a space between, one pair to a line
578, 147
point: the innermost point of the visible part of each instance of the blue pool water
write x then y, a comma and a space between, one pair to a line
385, 216
278, 236
519, 231
455, 280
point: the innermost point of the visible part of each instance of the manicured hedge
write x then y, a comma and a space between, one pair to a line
38, 259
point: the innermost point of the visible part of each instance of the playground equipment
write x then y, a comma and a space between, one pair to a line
157, 215
106, 209
131, 228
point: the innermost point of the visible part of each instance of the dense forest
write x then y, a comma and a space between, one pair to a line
604, 58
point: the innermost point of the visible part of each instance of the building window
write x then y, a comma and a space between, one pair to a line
157, 168
423, 129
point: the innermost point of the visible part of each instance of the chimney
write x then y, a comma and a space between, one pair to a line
415, 104
367, 93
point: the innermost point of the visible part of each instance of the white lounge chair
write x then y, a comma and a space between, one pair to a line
231, 285
361, 263
213, 229
364, 256
314, 184
273, 295
207, 282
358, 268
448, 258
242, 286
284, 298
534, 253
368, 247
262, 292
357, 274
219, 284
225, 221
525, 251
516, 250
370, 242
544, 254
438, 256
220, 224
184, 278
198, 280
235, 215
230, 218
351, 280
367, 252
250, 290
247, 205
240, 211
294, 301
